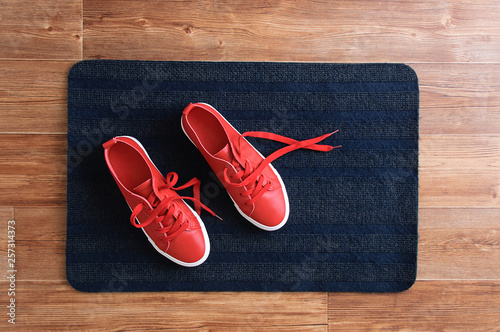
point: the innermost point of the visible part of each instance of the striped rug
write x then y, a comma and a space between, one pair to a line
353, 218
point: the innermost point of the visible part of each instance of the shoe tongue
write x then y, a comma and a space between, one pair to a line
225, 153
144, 189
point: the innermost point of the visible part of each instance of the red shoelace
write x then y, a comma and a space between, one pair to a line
164, 211
248, 174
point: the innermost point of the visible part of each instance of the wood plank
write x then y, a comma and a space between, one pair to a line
33, 155
50, 222
33, 96
459, 188
347, 31
459, 171
55, 305
43, 190
43, 29
42, 253
459, 244
41, 260
459, 42
455, 172
33, 170
6, 214
427, 306
454, 243
464, 96
460, 152
459, 98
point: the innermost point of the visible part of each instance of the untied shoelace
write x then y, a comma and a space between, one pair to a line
164, 210
248, 174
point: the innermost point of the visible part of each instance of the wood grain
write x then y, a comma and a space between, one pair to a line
42, 253
459, 99
33, 170
6, 214
55, 305
464, 96
459, 188
460, 152
427, 306
459, 171
33, 96
454, 47
455, 171
51, 222
41, 260
44, 29
459, 244
345, 31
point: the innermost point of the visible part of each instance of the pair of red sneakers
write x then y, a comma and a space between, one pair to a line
172, 227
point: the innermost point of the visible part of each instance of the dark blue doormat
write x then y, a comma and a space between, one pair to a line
353, 220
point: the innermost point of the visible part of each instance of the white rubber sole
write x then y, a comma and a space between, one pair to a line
253, 221
204, 231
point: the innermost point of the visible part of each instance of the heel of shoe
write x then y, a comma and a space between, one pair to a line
109, 143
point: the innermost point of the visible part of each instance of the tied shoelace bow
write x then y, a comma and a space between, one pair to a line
164, 210
248, 174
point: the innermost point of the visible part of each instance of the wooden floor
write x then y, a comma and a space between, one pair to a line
454, 46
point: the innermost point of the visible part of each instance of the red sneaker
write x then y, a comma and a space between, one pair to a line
256, 188
172, 227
